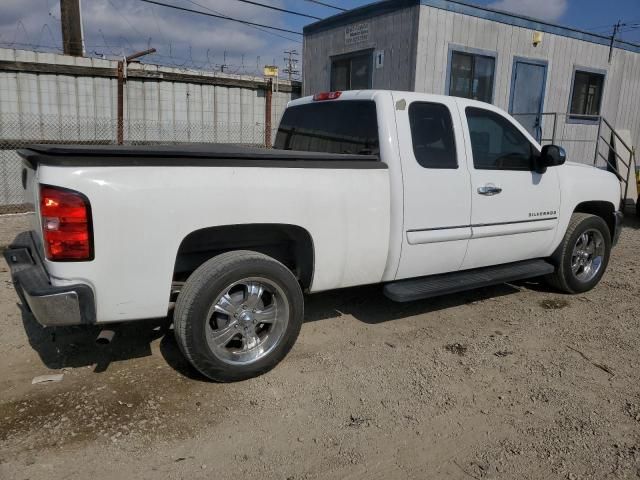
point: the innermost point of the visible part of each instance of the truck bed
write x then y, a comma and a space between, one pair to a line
141, 216
214, 154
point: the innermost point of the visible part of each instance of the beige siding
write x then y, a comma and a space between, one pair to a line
621, 101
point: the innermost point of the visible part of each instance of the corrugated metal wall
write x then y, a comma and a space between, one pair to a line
185, 110
39, 105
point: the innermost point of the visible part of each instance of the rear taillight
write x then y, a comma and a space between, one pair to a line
321, 97
66, 224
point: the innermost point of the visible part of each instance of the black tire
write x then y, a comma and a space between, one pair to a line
563, 278
200, 292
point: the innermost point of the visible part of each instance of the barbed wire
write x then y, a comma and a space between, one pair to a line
115, 52
189, 58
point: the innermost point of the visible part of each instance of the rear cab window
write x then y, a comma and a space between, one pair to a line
346, 126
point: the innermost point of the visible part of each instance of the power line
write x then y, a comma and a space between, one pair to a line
279, 9
608, 25
619, 27
252, 26
245, 22
126, 20
327, 5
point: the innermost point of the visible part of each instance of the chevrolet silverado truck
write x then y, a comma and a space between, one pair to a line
424, 194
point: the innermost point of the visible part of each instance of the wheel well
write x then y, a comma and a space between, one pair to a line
605, 210
289, 244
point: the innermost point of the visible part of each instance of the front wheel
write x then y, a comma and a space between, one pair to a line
238, 315
583, 256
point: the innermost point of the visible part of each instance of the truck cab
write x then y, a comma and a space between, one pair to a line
469, 186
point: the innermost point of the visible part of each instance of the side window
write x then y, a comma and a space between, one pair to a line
496, 143
432, 135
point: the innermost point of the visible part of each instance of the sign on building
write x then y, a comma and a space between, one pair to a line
358, 33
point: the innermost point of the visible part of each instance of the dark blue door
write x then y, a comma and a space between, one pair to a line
527, 95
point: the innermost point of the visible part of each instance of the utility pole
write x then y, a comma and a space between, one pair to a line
224, 62
292, 63
71, 22
122, 78
616, 29
267, 113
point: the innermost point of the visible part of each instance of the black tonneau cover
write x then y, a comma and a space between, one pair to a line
205, 155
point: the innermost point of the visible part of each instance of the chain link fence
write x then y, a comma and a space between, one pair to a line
19, 130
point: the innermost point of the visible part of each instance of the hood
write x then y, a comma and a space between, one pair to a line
576, 164
582, 183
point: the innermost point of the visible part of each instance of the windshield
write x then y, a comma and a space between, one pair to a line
349, 126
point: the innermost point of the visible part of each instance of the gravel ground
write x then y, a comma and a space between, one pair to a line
514, 381
11, 224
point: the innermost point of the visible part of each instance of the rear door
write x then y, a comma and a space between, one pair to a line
437, 200
514, 209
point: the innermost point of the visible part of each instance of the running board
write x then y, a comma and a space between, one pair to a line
443, 284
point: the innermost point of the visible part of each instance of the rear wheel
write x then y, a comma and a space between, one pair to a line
583, 256
238, 315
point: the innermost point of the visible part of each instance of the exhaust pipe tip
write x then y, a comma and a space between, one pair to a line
105, 337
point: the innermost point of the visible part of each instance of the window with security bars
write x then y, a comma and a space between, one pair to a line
472, 76
586, 96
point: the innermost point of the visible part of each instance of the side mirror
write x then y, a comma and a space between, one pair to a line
551, 156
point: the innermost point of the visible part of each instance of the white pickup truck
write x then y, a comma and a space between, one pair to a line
425, 194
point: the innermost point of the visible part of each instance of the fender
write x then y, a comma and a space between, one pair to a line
291, 245
584, 185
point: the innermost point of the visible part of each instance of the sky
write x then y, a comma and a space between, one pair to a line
116, 27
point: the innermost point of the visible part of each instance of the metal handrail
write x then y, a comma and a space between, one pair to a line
600, 137
612, 149
629, 149
615, 172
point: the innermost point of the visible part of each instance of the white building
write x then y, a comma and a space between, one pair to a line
520, 64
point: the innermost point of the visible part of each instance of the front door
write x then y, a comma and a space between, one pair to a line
527, 94
514, 209
437, 200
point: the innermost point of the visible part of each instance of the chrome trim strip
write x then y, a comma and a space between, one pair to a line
438, 235
481, 225
500, 230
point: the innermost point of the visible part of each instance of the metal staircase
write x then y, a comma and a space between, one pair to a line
609, 146
620, 158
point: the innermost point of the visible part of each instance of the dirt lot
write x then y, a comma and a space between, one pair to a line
506, 382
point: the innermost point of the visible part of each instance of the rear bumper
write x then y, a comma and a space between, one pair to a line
51, 306
618, 227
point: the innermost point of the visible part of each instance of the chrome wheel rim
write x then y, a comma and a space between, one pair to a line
588, 255
247, 320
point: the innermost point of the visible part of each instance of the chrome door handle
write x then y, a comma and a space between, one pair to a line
489, 190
